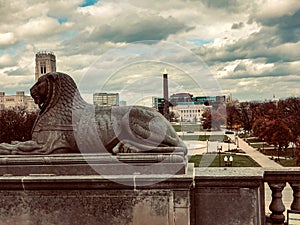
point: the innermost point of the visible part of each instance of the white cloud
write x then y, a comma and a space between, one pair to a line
243, 40
6, 61
7, 39
272, 9
39, 27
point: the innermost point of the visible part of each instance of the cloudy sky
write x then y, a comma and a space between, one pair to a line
247, 48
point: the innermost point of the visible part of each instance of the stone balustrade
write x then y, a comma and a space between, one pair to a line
277, 181
237, 195
60, 188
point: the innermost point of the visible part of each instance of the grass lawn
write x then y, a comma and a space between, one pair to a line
270, 149
204, 137
288, 162
187, 127
213, 160
260, 145
285, 152
253, 140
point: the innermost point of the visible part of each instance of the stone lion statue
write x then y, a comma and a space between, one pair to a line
68, 124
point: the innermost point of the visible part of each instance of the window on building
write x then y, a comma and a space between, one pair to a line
43, 67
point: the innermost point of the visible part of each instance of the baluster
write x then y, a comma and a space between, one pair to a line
296, 193
277, 208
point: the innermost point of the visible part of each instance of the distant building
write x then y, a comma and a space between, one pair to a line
158, 104
188, 112
187, 98
184, 112
18, 100
45, 62
209, 100
106, 99
180, 98
186, 107
123, 103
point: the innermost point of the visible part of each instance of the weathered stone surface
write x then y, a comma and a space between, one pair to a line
46, 199
93, 164
202, 196
228, 196
233, 206
85, 207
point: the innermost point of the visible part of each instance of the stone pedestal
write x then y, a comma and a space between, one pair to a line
48, 193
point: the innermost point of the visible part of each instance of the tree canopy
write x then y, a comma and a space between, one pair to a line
16, 124
277, 122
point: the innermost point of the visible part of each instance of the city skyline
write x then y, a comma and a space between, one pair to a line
250, 47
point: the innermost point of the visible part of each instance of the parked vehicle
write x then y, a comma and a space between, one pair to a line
229, 132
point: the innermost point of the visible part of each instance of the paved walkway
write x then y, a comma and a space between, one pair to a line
200, 147
260, 158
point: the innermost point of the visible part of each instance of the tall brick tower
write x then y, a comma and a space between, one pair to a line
45, 62
166, 92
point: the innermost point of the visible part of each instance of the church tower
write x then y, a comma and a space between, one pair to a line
45, 62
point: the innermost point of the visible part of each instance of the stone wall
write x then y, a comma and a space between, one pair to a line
226, 196
95, 199
74, 207
65, 190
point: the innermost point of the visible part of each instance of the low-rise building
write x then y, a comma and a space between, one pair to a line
18, 100
106, 99
188, 112
186, 107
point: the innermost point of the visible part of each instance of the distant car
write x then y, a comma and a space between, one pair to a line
229, 132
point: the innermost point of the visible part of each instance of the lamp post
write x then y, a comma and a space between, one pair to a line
230, 161
206, 146
219, 148
237, 141
226, 160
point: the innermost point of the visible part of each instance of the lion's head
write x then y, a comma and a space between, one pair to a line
58, 97
56, 89
39, 91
